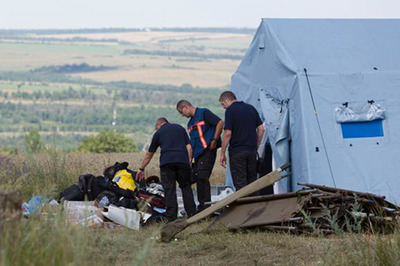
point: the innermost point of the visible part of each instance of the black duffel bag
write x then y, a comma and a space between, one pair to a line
73, 193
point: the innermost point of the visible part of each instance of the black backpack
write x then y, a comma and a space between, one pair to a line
92, 186
110, 171
72, 193
106, 198
128, 203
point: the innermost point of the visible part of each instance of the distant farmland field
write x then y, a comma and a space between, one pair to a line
69, 83
34, 51
147, 37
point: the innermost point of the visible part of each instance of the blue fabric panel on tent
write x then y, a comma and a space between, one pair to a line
370, 129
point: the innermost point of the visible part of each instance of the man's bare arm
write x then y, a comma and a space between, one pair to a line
218, 131
146, 160
225, 141
260, 134
190, 152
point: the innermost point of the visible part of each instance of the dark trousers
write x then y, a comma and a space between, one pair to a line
243, 167
170, 174
203, 167
265, 167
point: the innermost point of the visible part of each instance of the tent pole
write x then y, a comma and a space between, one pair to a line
319, 127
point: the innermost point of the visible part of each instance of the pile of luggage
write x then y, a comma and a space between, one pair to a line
119, 189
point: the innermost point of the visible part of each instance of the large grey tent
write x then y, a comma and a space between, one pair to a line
329, 93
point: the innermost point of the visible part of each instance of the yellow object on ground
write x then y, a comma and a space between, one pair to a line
124, 180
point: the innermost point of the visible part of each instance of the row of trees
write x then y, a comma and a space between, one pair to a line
70, 93
73, 68
85, 116
183, 54
124, 94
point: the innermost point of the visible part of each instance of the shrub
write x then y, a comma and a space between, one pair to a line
107, 141
33, 142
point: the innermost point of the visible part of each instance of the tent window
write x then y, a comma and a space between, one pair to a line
366, 129
359, 113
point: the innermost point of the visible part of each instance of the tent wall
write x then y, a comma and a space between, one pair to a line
366, 164
347, 61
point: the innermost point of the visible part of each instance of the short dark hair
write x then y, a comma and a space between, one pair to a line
227, 95
182, 103
161, 120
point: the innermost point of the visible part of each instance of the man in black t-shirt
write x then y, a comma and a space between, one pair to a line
176, 153
243, 132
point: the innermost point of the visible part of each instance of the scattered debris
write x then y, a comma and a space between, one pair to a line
35, 205
315, 209
82, 212
115, 196
126, 217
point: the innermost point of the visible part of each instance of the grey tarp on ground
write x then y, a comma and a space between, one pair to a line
349, 61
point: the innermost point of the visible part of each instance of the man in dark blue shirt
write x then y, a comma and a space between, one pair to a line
205, 129
176, 153
243, 132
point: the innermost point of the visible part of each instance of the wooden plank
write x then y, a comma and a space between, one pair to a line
334, 190
261, 183
261, 213
274, 197
171, 229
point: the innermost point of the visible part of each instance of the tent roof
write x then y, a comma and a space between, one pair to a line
334, 45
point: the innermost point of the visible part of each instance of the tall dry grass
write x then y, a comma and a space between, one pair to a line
37, 241
48, 240
365, 249
50, 173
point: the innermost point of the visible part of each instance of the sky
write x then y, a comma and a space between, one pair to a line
63, 14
